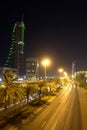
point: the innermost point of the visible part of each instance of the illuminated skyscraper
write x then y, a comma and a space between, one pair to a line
16, 53
73, 69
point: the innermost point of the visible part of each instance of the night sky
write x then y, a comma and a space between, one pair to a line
54, 30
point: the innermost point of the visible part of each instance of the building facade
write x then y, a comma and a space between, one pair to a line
16, 53
32, 68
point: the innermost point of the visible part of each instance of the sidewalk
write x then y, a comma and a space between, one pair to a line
83, 106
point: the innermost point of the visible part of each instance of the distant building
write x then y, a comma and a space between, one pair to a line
73, 69
15, 57
32, 68
81, 76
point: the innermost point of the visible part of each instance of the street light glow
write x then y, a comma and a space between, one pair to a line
45, 63
60, 70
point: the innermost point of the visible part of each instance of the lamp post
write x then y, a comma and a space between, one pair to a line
61, 71
45, 62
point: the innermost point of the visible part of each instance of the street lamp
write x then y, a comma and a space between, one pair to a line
61, 71
45, 62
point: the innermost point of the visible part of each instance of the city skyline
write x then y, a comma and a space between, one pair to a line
58, 31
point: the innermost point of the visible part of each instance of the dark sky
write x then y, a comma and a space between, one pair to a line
54, 30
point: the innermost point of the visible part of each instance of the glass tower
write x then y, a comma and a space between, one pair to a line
16, 53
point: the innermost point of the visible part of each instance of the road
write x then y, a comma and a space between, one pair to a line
62, 114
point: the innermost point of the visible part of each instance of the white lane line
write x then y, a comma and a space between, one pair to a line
43, 124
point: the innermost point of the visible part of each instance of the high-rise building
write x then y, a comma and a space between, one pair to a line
16, 53
32, 68
73, 69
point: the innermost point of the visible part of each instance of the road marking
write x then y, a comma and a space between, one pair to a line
43, 124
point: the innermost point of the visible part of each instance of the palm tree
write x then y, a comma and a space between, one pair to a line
30, 89
11, 90
41, 84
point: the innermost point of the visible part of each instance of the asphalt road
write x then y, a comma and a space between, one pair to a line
62, 114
